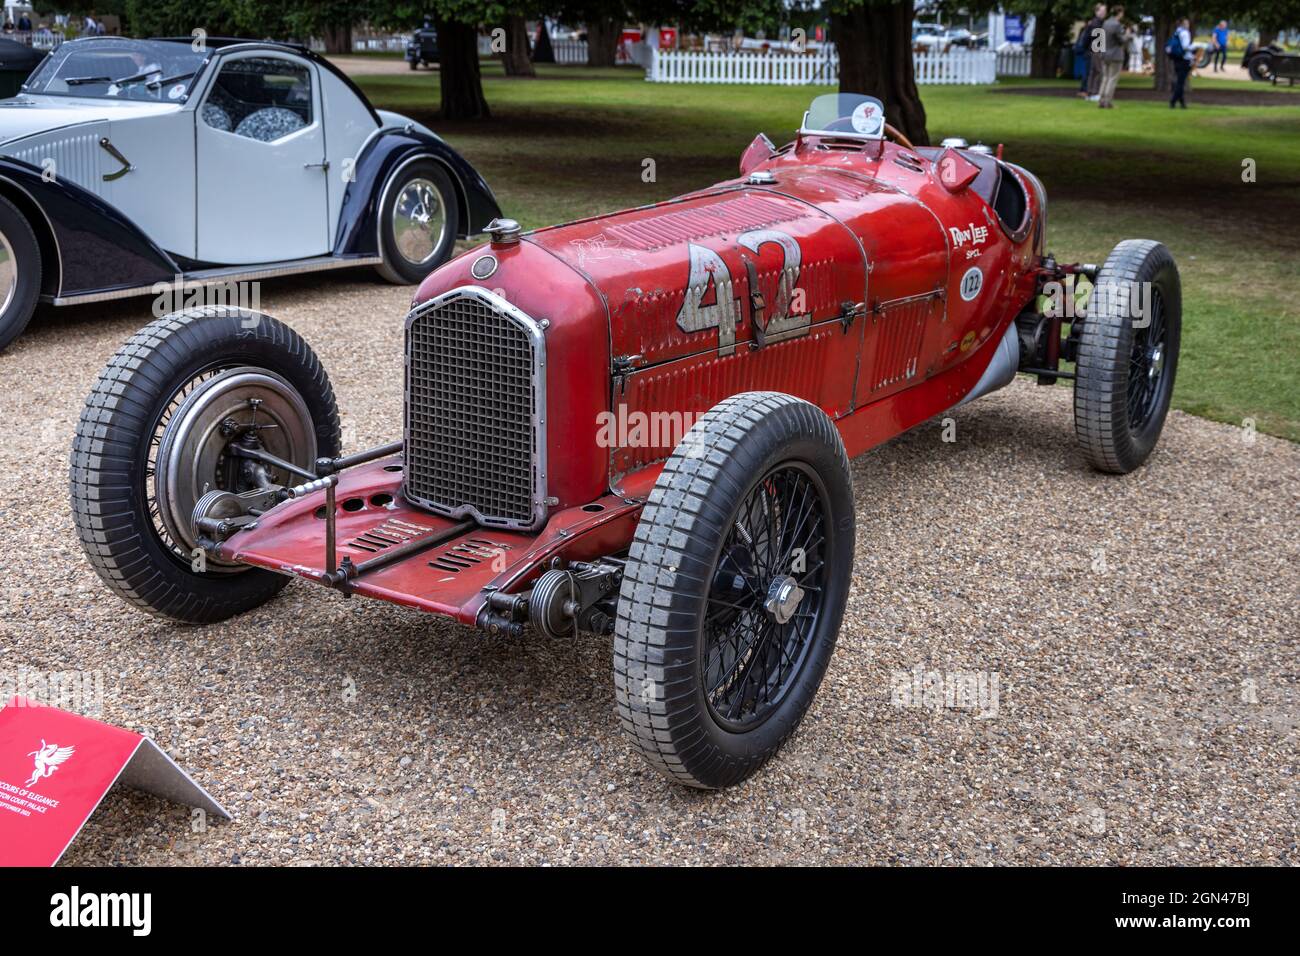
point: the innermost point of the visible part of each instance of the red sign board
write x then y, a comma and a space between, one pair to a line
668, 38
55, 768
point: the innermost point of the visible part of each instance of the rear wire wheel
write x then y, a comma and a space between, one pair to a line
734, 589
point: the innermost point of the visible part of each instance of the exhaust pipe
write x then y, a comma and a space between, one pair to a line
1002, 369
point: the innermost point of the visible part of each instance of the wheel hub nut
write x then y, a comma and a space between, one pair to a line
783, 598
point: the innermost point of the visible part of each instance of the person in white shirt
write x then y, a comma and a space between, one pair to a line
1181, 54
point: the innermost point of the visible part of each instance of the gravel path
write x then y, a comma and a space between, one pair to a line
1141, 632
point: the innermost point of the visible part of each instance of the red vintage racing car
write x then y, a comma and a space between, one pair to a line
635, 425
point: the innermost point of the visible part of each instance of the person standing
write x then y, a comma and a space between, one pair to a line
1114, 39
1179, 49
1096, 51
1221, 47
1091, 79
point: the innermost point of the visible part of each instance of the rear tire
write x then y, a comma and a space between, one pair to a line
1125, 369
415, 237
117, 500
709, 679
20, 272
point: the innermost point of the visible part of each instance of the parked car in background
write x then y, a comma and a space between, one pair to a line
930, 37
125, 163
17, 60
1271, 63
422, 48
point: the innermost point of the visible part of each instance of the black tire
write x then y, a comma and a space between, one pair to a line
672, 604
110, 455
1120, 402
18, 241
397, 268
1260, 67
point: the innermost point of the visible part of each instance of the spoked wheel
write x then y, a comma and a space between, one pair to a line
734, 589
163, 427
1128, 356
766, 597
1146, 376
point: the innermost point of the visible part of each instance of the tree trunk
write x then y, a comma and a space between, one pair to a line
1164, 71
603, 34
874, 43
1043, 57
459, 80
543, 52
338, 38
1266, 37
516, 59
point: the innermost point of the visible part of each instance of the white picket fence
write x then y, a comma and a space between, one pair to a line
36, 39
1014, 62
793, 69
570, 51
773, 69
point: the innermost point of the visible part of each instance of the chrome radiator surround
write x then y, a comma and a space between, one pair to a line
490, 473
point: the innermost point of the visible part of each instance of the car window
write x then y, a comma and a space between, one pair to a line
262, 98
158, 70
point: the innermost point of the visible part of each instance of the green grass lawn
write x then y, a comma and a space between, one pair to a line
574, 141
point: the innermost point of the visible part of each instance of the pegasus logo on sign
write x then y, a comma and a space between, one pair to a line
48, 757
976, 235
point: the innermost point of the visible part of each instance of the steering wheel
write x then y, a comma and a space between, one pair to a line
898, 137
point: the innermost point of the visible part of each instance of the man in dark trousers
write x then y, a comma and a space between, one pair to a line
1179, 49
1096, 51
1091, 82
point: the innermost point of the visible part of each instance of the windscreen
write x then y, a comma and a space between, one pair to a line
118, 68
852, 115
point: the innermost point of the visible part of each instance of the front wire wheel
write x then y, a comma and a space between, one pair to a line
765, 599
154, 436
734, 589
1128, 356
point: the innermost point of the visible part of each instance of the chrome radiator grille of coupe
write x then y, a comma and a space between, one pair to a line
475, 393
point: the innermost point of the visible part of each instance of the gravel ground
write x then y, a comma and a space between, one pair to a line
1141, 631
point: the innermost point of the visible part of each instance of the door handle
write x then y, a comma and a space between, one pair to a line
324, 167
116, 154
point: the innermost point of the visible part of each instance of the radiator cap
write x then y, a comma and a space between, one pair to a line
504, 232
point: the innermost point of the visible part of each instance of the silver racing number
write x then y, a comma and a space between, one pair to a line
707, 269
780, 322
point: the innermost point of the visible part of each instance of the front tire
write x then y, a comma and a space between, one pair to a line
1260, 68
20, 272
1128, 356
144, 451
419, 221
734, 589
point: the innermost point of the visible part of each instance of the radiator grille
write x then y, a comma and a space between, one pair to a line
474, 441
